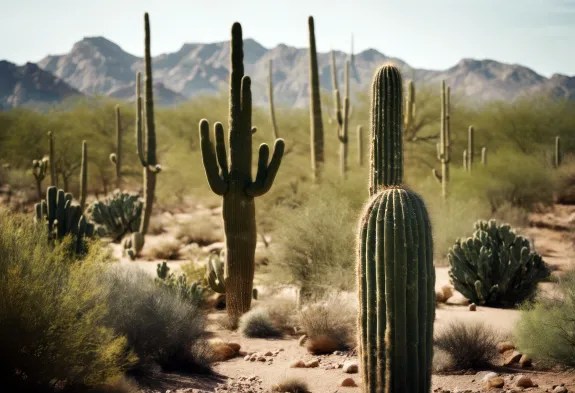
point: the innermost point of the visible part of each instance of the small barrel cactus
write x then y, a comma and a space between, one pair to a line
117, 215
495, 266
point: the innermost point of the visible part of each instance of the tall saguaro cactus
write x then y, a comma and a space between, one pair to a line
271, 101
52, 161
484, 156
342, 131
316, 123
360, 146
470, 147
409, 117
84, 176
116, 158
443, 147
234, 181
395, 272
557, 156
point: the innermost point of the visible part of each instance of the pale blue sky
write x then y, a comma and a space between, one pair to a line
433, 34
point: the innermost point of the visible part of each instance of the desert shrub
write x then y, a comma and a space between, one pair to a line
546, 328
116, 215
470, 346
315, 245
282, 313
164, 249
291, 385
160, 326
257, 323
330, 324
496, 267
203, 232
191, 292
52, 313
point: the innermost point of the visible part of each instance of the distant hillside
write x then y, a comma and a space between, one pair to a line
96, 65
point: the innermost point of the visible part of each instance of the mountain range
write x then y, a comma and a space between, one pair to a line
98, 66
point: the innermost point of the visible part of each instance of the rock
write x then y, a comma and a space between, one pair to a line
505, 346
447, 292
261, 359
297, 364
350, 367
247, 357
235, 346
514, 357
523, 381
525, 361
312, 364
439, 298
560, 389
302, 340
214, 247
495, 382
348, 382
472, 307
222, 351
487, 376
268, 353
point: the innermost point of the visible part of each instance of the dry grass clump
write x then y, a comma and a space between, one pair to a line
291, 385
257, 324
202, 231
469, 346
166, 249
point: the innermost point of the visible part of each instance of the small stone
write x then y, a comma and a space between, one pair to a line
235, 346
524, 382
338, 353
268, 353
350, 367
488, 376
495, 382
253, 359
302, 340
348, 382
525, 361
247, 358
560, 389
261, 359
514, 357
297, 364
472, 307
312, 364
505, 346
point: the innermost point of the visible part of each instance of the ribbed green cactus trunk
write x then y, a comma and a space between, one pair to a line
84, 176
396, 277
557, 154
235, 184
409, 118
443, 147
360, 146
116, 158
484, 156
271, 101
343, 129
316, 123
470, 147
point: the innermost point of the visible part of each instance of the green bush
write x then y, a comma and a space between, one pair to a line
496, 267
257, 324
161, 327
52, 310
546, 328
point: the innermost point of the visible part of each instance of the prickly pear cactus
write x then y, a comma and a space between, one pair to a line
63, 218
495, 266
117, 215
395, 271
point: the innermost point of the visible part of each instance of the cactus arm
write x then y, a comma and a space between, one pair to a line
218, 185
139, 129
266, 172
221, 154
271, 102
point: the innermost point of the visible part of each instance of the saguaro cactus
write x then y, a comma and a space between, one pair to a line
116, 158
360, 146
52, 161
235, 184
395, 272
39, 168
557, 156
409, 117
316, 124
484, 156
470, 147
146, 144
342, 131
465, 160
443, 147
271, 101
84, 176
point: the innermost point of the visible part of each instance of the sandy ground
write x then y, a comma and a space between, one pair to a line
550, 233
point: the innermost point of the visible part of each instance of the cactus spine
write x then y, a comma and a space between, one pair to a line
84, 176
470, 147
443, 147
360, 146
316, 125
235, 184
271, 100
484, 156
396, 277
116, 158
557, 157
52, 161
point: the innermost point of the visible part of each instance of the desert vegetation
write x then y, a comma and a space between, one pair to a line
339, 258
